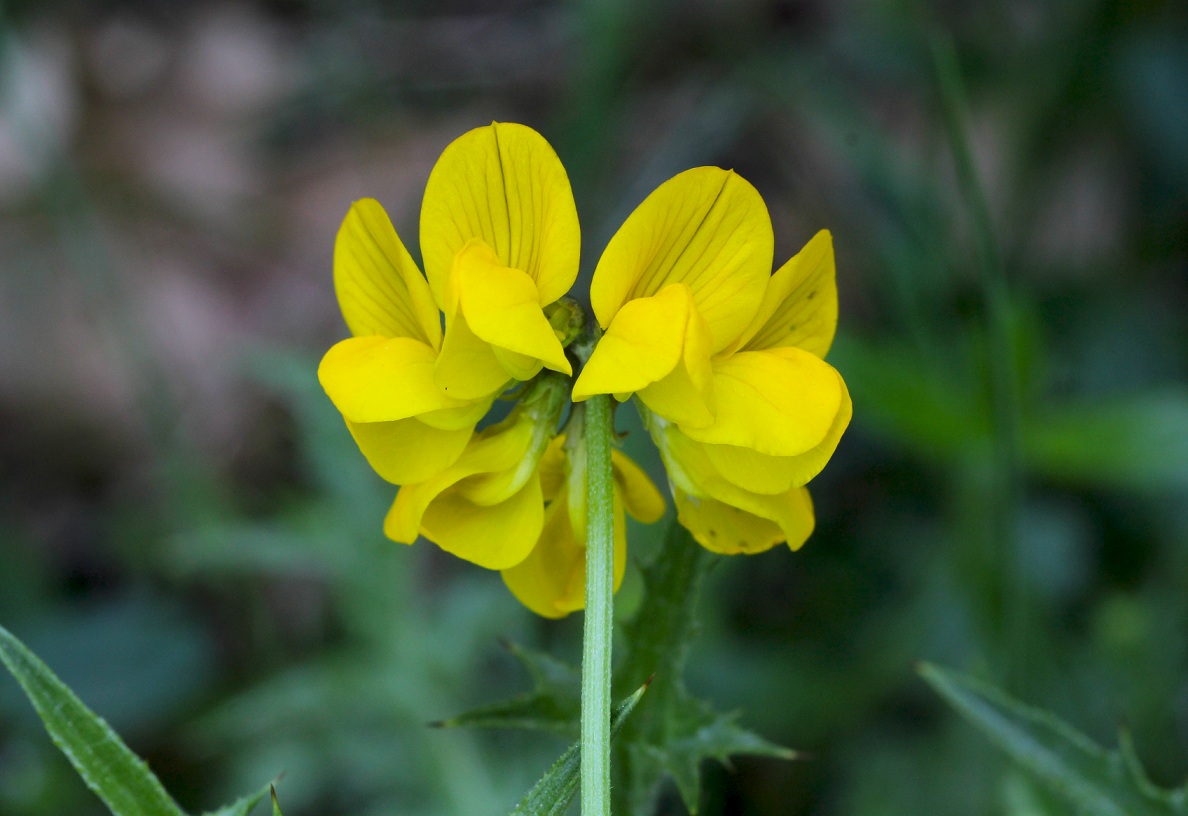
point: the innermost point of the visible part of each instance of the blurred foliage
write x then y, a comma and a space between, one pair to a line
190, 541
1092, 780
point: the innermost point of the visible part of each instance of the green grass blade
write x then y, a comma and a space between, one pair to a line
1096, 781
120, 778
245, 805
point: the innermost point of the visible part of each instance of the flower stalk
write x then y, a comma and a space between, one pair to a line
596, 641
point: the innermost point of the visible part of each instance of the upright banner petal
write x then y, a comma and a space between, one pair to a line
707, 228
505, 185
379, 288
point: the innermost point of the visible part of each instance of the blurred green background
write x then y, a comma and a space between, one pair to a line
189, 538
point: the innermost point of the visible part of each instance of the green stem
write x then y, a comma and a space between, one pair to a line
596, 642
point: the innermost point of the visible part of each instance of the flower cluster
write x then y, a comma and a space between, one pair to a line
723, 358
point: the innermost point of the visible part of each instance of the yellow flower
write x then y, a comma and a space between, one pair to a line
725, 359
551, 580
500, 240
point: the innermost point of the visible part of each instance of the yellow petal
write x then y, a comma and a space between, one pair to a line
780, 402
729, 530
724, 529
464, 416
642, 344
658, 346
693, 475
379, 287
380, 379
777, 474
575, 497
494, 536
707, 228
690, 470
502, 307
686, 395
640, 496
505, 185
800, 305
551, 581
467, 367
553, 468
518, 366
407, 450
492, 488
533, 424
619, 563
799, 520
492, 450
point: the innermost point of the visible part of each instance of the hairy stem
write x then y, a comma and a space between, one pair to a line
596, 641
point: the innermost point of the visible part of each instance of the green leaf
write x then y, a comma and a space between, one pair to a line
554, 704
677, 731
244, 806
695, 733
1096, 781
1137, 441
121, 779
276, 811
555, 790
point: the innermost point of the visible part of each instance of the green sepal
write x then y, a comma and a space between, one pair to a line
1096, 781
554, 704
120, 778
554, 792
567, 318
677, 731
